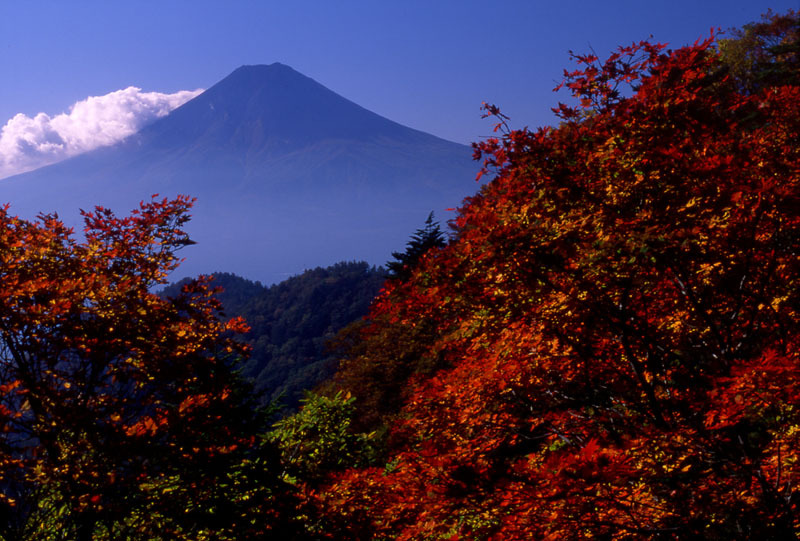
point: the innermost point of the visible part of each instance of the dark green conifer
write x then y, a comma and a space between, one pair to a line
422, 240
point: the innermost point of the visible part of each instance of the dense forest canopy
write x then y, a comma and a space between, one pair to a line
293, 322
608, 349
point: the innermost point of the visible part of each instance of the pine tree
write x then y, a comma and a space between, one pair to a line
422, 240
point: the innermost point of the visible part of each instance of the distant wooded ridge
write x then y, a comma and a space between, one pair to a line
292, 322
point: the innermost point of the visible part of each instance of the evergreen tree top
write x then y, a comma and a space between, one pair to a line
423, 239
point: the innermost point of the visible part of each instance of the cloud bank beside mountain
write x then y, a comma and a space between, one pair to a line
27, 143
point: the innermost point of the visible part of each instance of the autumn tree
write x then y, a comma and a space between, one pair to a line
318, 439
612, 335
122, 415
376, 366
764, 53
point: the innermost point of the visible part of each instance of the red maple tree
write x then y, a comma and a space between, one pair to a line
121, 412
609, 347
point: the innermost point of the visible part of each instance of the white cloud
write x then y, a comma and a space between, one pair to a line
29, 143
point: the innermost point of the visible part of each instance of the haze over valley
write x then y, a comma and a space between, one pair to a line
287, 174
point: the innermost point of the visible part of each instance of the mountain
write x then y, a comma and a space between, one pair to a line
288, 175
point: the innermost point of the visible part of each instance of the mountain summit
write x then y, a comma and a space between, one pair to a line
275, 107
288, 175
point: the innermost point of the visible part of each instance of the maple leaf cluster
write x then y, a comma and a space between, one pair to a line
609, 347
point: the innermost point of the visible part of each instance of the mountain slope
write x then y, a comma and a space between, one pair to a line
292, 322
288, 176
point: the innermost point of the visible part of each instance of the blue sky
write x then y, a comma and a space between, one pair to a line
426, 64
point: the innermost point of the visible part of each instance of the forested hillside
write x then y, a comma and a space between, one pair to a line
292, 322
608, 349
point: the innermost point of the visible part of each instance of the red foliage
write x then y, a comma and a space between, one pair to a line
614, 328
117, 405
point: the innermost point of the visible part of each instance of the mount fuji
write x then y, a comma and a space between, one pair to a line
288, 175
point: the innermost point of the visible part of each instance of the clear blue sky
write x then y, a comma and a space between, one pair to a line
426, 64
